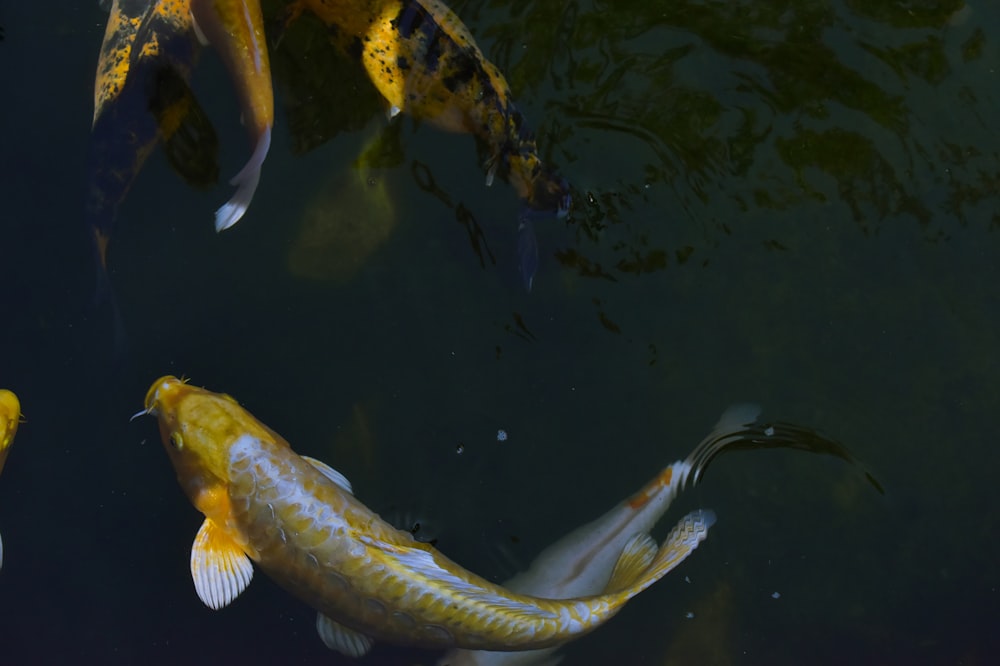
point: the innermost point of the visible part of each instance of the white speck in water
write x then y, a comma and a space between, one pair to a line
687, 580
689, 615
460, 449
776, 595
769, 431
501, 435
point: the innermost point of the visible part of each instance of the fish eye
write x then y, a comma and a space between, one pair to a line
176, 441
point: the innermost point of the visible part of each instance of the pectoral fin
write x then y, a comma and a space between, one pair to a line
219, 567
342, 639
198, 32
330, 473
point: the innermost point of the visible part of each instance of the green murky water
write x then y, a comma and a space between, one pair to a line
794, 203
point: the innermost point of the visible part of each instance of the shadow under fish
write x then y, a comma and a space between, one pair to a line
424, 62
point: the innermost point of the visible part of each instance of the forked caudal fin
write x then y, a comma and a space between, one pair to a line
641, 564
246, 182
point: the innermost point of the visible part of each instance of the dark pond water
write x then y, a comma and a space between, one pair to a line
792, 203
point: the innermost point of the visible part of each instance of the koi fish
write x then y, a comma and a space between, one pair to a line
425, 62
582, 561
297, 519
236, 29
579, 563
142, 97
10, 416
141, 39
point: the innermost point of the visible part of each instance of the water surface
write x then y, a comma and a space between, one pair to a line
793, 203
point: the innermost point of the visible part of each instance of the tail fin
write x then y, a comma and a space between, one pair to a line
641, 564
731, 429
743, 433
246, 183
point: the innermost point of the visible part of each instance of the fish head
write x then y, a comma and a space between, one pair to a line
552, 193
198, 428
10, 415
545, 192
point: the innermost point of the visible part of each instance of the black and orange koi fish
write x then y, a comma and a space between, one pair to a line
141, 96
425, 62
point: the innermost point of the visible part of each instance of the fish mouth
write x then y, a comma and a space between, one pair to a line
10, 403
163, 390
551, 197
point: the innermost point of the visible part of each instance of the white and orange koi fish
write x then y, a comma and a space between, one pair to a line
296, 518
581, 562
236, 29
10, 416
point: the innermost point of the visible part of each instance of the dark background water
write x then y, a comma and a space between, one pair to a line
794, 203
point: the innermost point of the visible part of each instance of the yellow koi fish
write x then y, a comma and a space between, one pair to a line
10, 416
236, 29
425, 62
297, 519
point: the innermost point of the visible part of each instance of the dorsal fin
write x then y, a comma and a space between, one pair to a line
330, 473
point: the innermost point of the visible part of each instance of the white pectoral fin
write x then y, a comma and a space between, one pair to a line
343, 639
330, 473
460, 657
198, 32
246, 184
219, 567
